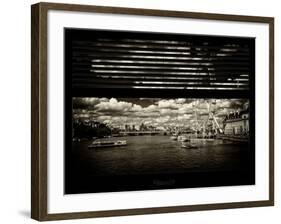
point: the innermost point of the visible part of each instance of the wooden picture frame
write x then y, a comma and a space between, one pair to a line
39, 109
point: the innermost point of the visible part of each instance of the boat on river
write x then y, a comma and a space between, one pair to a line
105, 144
183, 138
189, 145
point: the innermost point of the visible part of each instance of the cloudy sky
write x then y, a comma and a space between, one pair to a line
158, 112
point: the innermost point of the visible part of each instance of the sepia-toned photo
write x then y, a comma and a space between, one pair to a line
154, 111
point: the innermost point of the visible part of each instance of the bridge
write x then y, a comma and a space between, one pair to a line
142, 132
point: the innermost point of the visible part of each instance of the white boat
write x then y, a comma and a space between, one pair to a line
183, 138
189, 146
103, 144
174, 137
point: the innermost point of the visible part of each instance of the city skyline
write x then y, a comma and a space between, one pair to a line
154, 112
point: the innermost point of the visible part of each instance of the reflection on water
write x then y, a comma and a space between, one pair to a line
158, 154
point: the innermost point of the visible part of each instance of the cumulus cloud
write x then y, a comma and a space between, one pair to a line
86, 102
167, 104
180, 100
113, 106
153, 111
136, 108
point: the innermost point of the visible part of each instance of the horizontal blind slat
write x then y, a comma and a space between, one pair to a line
106, 61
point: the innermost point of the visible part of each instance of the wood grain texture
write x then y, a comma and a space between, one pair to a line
39, 112
39, 204
153, 12
271, 111
34, 114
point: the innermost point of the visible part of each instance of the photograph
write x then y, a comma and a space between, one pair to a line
160, 143
152, 111
138, 111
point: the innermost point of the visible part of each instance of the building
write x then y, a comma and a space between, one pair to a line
237, 123
143, 127
127, 127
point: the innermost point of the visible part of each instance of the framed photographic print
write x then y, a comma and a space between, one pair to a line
138, 111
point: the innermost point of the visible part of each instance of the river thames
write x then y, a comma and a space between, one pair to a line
149, 159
